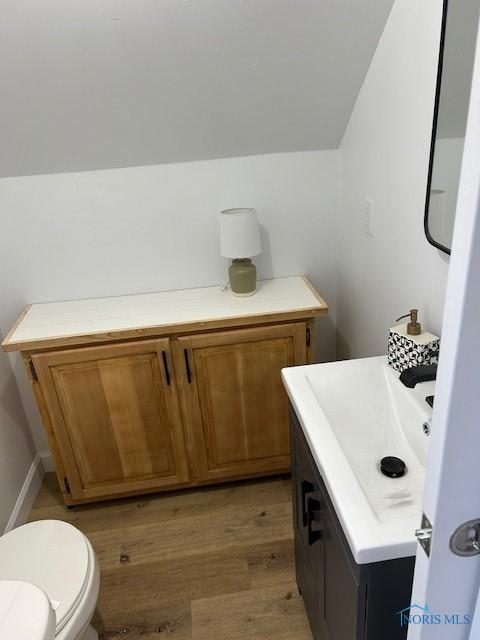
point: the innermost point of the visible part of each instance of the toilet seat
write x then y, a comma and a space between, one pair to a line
16, 598
53, 556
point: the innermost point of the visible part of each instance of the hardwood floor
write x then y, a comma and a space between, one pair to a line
214, 563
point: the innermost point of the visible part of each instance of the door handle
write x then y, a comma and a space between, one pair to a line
314, 513
187, 366
307, 487
165, 366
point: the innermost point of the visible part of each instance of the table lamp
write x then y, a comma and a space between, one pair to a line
240, 240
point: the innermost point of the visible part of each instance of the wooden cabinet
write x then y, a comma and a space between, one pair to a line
173, 389
114, 417
344, 600
235, 404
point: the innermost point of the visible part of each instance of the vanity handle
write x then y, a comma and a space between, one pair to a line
307, 487
165, 366
187, 366
314, 513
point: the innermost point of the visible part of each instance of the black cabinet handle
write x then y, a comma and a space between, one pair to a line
165, 366
307, 487
314, 513
187, 366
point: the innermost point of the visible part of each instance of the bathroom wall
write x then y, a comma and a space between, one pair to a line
120, 231
384, 156
18, 465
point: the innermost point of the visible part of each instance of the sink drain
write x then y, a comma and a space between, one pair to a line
392, 467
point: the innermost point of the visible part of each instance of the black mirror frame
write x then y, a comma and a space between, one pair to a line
430, 239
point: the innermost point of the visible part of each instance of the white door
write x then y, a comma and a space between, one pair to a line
445, 583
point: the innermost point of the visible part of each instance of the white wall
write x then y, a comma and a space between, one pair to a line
16, 447
384, 156
121, 231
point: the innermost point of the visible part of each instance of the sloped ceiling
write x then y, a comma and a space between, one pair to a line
89, 84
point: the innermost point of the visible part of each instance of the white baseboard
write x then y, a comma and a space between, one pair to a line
27, 495
47, 461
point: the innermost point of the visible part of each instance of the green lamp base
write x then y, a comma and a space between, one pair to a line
243, 277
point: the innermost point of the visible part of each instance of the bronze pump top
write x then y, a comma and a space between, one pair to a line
414, 328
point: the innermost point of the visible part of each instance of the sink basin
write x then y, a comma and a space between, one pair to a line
354, 413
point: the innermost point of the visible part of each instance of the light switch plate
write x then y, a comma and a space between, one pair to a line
367, 219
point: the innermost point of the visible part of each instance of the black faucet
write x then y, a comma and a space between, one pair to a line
419, 373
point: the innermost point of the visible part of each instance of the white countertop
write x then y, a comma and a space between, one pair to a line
378, 515
60, 321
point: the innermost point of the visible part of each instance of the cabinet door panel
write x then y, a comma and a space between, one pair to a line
236, 406
342, 591
114, 416
309, 555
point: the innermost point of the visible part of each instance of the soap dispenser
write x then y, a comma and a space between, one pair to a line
408, 346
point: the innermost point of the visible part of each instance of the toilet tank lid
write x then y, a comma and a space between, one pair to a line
54, 556
25, 612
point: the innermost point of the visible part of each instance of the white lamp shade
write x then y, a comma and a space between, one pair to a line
239, 233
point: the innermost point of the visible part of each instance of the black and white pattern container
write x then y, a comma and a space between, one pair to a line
406, 351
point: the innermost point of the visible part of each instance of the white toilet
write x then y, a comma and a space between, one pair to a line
49, 582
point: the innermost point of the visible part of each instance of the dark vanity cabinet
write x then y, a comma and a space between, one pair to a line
344, 600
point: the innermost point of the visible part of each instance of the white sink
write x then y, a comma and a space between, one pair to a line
354, 413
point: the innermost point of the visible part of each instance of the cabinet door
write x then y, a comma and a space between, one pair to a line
308, 517
235, 404
334, 588
343, 595
114, 415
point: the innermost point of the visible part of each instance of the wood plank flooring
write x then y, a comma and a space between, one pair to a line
215, 563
